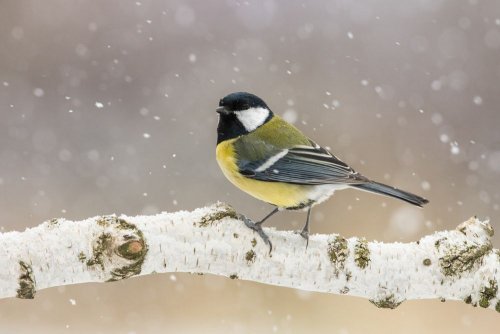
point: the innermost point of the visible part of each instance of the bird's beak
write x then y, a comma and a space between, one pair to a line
222, 111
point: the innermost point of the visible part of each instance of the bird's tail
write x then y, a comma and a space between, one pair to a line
380, 188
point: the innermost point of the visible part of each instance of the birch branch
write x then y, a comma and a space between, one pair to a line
450, 265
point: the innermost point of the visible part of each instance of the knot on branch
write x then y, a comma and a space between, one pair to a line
487, 293
338, 252
389, 302
464, 252
119, 251
362, 253
27, 284
476, 229
220, 211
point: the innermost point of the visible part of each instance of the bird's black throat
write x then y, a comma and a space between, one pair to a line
229, 127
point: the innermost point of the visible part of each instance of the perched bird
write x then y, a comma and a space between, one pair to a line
272, 160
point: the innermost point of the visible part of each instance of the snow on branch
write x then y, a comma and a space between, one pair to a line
450, 265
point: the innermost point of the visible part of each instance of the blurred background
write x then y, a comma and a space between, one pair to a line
109, 107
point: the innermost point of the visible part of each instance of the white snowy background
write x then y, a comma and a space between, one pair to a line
109, 107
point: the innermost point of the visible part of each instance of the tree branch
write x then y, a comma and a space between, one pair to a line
451, 265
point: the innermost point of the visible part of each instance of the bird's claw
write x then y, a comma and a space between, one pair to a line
257, 228
304, 234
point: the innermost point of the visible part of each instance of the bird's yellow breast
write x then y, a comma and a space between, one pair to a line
277, 193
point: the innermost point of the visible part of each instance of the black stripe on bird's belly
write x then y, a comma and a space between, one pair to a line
302, 205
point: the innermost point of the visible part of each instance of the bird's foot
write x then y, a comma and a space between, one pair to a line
304, 234
257, 227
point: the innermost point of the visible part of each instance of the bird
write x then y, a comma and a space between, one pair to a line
273, 161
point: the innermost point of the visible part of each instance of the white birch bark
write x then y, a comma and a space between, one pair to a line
450, 265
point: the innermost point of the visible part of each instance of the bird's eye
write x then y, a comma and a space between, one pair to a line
220, 103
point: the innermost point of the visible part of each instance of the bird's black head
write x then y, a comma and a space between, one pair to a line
240, 101
241, 113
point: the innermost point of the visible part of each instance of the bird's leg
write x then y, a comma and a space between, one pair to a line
257, 227
266, 217
305, 231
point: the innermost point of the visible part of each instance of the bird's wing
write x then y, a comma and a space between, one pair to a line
302, 164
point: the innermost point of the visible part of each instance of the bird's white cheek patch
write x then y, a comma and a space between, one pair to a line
252, 118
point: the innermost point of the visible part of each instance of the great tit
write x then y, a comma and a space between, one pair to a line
272, 160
